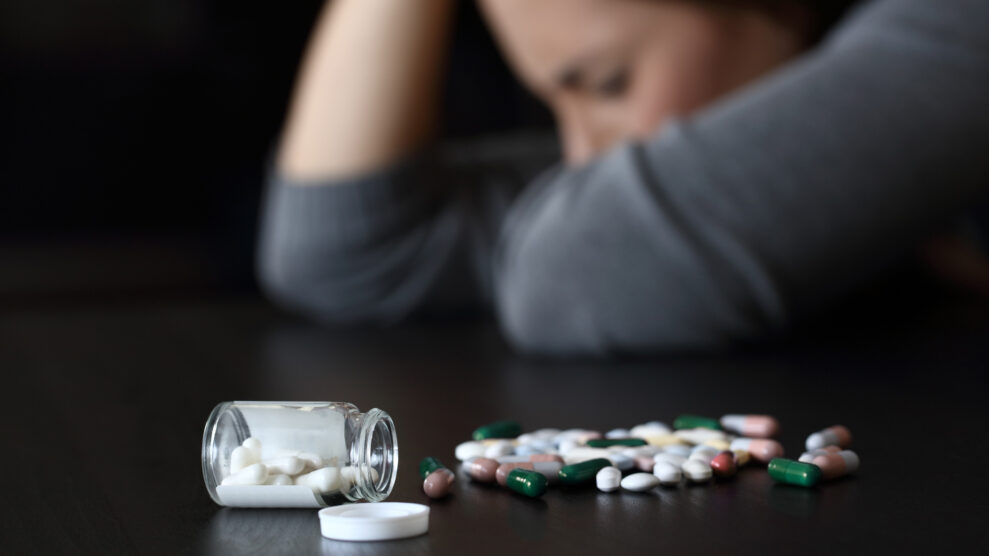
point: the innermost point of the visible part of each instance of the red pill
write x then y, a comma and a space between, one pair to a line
723, 465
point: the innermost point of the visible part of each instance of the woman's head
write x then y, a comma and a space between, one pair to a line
612, 70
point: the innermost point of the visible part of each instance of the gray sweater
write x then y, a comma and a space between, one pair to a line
724, 226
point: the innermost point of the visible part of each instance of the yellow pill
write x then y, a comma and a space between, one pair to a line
664, 440
717, 443
742, 457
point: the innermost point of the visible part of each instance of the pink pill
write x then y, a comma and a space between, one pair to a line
753, 426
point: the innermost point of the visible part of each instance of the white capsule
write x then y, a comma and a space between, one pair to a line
499, 449
311, 460
469, 449
323, 480
624, 463
254, 474
700, 435
652, 428
242, 457
254, 445
285, 465
583, 454
667, 473
279, 480
672, 459
609, 479
697, 471
618, 433
640, 482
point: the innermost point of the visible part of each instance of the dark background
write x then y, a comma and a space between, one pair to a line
135, 137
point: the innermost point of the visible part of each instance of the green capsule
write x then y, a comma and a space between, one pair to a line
428, 465
695, 422
606, 442
582, 472
501, 429
524, 481
794, 472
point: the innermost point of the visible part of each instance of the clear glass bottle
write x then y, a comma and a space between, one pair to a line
337, 454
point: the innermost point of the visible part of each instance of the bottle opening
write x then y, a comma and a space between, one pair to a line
375, 457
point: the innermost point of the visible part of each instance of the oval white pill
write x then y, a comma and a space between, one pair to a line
639, 482
469, 449
653, 428
678, 449
254, 474
609, 479
667, 473
499, 449
697, 470
618, 433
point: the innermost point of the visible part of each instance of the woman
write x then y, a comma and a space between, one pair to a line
721, 180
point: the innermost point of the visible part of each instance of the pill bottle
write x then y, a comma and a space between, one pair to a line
298, 454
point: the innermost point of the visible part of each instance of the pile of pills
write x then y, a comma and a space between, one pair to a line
287, 468
697, 449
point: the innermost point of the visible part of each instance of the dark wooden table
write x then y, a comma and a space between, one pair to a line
104, 407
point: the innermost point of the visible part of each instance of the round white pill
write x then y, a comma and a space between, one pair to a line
667, 473
640, 482
697, 470
609, 479
672, 459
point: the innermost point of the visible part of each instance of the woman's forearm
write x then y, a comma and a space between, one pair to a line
367, 90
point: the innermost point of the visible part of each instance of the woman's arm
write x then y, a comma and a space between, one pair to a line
367, 90
767, 207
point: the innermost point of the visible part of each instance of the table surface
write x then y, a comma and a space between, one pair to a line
104, 409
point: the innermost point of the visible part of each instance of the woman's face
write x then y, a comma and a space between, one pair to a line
614, 70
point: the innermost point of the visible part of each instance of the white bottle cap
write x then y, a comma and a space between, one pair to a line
376, 521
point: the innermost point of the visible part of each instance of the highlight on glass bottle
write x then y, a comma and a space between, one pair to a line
298, 454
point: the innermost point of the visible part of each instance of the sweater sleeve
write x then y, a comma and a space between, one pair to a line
415, 237
733, 223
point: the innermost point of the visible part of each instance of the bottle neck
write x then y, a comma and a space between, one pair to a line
374, 456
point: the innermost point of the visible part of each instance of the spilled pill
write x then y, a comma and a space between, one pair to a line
481, 470
762, 449
834, 465
526, 482
753, 426
640, 482
794, 472
608, 479
837, 435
